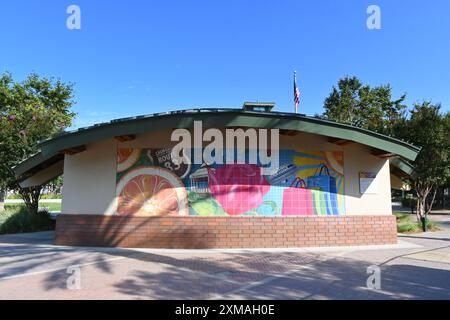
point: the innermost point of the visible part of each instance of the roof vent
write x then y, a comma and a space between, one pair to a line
258, 106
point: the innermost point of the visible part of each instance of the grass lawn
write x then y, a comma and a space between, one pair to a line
43, 205
43, 196
16, 219
50, 206
407, 223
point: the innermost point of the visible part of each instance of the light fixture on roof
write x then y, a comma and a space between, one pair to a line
258, 106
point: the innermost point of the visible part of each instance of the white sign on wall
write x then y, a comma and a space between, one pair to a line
368, 183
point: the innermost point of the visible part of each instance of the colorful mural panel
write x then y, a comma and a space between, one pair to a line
307, 183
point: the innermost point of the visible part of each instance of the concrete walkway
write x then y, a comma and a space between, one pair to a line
32, 268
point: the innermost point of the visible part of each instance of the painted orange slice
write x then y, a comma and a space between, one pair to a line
126, 157
151, 191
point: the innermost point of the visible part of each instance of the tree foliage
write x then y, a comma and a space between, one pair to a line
30, 111
428, 128
447, 145
424, 126
361, 105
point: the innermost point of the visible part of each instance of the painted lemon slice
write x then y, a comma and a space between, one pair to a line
151, 191
126, 157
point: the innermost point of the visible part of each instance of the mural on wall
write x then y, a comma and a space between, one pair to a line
307, 183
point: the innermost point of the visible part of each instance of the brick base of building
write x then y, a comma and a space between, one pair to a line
224, 232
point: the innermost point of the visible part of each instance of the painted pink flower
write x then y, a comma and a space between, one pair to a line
238, 188
11, 117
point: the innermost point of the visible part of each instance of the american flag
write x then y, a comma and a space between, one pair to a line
296, 93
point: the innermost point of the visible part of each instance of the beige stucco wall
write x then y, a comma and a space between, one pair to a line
357, 158
90, 177
90, 180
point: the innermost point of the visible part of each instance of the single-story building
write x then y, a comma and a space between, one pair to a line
123, 185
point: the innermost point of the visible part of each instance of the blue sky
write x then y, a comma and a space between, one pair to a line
137, 57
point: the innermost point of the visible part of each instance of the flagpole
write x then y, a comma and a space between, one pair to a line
295, 87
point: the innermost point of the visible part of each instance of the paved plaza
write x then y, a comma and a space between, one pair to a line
31, 267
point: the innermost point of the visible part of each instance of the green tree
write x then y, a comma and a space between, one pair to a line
447, 146
2, 199
429, 129
374, 109
363, 106
55, 185
30, 111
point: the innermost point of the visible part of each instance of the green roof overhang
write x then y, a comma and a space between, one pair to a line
36, 163
405, 167
215, 118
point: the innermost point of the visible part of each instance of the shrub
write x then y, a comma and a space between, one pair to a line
17, 220
406, 225
432, 226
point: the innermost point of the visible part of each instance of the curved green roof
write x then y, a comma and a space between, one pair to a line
227, 118
216, 118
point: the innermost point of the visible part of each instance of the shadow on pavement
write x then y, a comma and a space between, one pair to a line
284, 279
243, 276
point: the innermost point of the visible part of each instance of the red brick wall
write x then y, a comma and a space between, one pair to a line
224, 232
